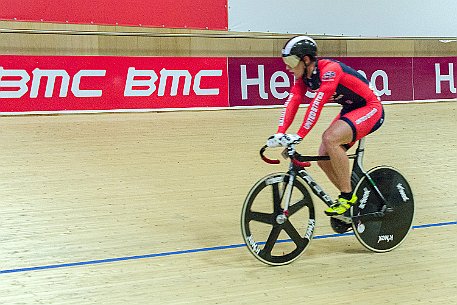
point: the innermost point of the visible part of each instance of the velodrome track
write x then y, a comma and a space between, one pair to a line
144, 208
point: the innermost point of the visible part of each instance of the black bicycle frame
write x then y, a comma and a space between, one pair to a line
357, 173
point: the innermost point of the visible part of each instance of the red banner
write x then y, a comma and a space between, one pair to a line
102, 83
265, 81
55, 83
196, 14
435, 78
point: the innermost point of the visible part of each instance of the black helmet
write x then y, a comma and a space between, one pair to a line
296, 48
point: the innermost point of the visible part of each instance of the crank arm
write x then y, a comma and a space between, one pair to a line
374, 215
343, 218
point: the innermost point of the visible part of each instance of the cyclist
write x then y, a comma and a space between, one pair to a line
331, 81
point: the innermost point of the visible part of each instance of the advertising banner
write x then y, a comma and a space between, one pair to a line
108, 83
56, 83
265, 81
257, 81
435, 78
194, 14
390, 77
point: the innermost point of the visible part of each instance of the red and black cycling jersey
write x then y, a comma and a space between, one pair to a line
339, 83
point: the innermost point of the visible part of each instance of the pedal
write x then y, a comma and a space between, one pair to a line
340, 226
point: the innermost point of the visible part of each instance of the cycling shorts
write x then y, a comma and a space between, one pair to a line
363, 120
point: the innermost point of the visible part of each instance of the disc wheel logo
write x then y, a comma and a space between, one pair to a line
402, 191
385, 238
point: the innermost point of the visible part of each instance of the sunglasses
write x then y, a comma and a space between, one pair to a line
292, 60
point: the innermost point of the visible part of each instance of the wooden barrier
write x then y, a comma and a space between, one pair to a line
193, 44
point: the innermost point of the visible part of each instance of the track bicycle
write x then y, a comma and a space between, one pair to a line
278, 215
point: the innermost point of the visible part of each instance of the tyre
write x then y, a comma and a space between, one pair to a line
270, 236
382, 234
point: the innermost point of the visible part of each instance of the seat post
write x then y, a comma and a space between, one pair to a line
361, 144
360, 151
357, 169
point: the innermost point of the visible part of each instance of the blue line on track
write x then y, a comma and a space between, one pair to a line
170, 253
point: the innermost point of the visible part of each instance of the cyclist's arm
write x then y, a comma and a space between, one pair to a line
296, 96
325, 92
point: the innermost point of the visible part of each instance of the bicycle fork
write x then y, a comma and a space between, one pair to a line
287, 195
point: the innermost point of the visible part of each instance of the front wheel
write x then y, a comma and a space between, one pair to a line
383, 233
272, 236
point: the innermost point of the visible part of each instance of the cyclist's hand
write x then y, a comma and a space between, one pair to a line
284, 140
289, 139
275, 140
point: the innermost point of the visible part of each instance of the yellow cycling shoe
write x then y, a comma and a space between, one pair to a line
341, 206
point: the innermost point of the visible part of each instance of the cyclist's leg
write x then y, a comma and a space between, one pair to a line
333, 139
337, 134
327, 168
362, 122
349, 128
326, 165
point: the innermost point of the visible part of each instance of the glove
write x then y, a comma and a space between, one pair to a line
275, 140
289, 139
284, 140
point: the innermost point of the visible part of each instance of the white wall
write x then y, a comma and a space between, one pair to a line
400, 18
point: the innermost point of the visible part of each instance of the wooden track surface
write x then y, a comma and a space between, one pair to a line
144, 209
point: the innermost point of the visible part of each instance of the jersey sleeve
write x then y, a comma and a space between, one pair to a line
329, 81
296, 96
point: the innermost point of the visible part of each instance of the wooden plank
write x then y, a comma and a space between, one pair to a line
79, 188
